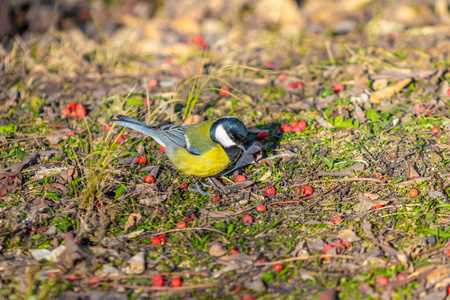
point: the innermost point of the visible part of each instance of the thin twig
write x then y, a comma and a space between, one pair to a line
303, 258
165, 288
149, 276
337, 180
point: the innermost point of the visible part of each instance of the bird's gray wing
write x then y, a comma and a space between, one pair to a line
163, 134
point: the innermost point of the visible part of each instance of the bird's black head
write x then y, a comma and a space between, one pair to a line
229, 132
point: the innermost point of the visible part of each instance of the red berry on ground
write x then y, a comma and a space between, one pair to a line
305, 191
346, 244
302, 125
71, 133
382, 280
282, 76
119, 138
269, 64
68, 234
156, 240
216, 198
270, 191
142, 160
263, 135
336, 219
285, 128
158, 280
326, 248
149, 179
435, 130
413, 193
184, 186
448, 92
175, 282
65, 112
240, 178
152, 82
402, 276
247, 219
181, 225
233, 251
198, 39
107, 127
296, 84
224, 92
95, 280
72, 106
293, 85
378, 206
293, 124
73, 277
163, 149
175, 72
447, 249
80, 112
167, 62
419, 108
163, 239
189, 216
338, 87
278, 267
247, 297
261, 208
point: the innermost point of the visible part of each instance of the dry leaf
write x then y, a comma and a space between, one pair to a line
414, 181
358, 114
348, 235
132, 219
216, 250
389, 92
135, 265
412, 173
239, 186
323, 123
133, 234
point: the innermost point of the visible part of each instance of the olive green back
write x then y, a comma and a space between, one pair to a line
199, 136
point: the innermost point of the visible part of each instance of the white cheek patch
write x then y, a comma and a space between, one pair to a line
223, 138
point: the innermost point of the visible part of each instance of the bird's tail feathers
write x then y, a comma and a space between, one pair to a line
139, 126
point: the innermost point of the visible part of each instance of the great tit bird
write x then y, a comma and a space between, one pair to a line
204, 149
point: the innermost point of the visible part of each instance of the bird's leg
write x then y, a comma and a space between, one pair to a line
214, 185
199, 189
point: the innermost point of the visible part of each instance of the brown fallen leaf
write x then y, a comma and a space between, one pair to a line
9, 182
358, 114
414, 181
73, 253
250, 156
412, 173
128, 161
285, 157
216, 249
367, 201
132, 219
348, 235
17, 167
388, 92
239, 186
325, 124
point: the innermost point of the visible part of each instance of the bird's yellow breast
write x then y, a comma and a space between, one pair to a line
211, 163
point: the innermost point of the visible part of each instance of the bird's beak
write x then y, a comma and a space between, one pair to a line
242, 147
